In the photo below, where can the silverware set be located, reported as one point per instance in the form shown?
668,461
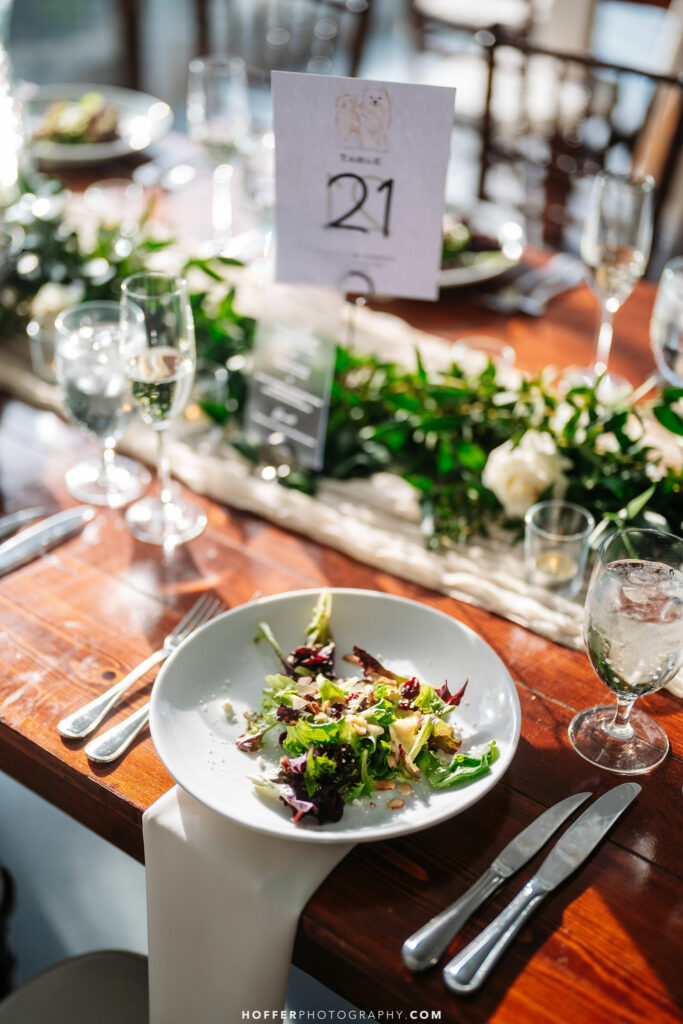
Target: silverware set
113,743
468,970
38,537
533,289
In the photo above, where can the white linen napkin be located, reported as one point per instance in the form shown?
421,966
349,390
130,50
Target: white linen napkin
223,904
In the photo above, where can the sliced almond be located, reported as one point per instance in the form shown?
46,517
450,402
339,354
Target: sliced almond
405,789
396,804
383,784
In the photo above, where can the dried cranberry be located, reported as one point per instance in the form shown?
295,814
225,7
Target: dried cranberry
410,689
286,714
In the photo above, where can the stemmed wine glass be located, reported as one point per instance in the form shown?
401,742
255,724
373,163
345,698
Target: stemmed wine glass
97,397
159,362
633,628
218,117
666,325
615,246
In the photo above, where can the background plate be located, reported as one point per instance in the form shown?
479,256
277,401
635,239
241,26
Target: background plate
143,120
503,226
196,741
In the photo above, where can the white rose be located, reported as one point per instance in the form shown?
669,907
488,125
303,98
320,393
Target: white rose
51,298
518,476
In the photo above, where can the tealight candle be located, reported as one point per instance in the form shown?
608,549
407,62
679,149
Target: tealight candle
554,569
556,545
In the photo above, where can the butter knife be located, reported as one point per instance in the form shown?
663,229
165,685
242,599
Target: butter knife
425,947
11,523
40,537
467,971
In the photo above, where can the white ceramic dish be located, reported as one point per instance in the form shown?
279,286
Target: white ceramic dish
459,277
142,120
196,741
504,227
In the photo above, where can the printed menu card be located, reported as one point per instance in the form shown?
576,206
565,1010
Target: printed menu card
360,180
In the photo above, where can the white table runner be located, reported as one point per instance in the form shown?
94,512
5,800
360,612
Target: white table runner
223,903
375,520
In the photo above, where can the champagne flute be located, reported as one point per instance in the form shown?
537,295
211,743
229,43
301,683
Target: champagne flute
633,628
666,325
218,117
97,397
615,246
159,363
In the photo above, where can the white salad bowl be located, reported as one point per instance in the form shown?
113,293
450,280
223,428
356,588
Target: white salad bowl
196,738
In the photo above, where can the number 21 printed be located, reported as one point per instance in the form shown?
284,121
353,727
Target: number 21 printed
356,203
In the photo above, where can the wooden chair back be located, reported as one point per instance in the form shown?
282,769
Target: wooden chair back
552,119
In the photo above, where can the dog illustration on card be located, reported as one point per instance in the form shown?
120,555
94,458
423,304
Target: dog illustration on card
363,121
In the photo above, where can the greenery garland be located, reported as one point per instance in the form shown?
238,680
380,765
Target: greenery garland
437,430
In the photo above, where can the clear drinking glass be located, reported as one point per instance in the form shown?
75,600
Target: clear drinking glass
666,325
615,246
159,363
633,628
218,117
556,535
89,371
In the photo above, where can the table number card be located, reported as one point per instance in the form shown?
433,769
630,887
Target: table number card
289,392
360,179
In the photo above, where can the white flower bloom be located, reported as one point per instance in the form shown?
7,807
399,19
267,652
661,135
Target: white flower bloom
51,298
518,476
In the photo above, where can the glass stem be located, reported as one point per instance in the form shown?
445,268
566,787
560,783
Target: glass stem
164,471
620,726
221,204
108,465
603,342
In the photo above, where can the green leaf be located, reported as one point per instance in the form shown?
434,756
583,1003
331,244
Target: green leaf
669,419
472,456
421,372
637,504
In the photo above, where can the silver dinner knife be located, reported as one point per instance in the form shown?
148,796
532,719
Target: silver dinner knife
11,523
467,971
40,537
426,946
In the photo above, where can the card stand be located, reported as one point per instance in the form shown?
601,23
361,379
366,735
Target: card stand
358,289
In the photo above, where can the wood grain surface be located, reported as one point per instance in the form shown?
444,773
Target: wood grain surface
605,948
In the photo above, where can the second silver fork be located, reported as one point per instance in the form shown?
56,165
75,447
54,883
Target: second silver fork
115,741
84,721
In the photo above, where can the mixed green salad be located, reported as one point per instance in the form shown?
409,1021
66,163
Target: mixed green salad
87,119
462,247
344,738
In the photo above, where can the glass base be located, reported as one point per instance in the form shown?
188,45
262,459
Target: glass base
632,755
167,524
125,481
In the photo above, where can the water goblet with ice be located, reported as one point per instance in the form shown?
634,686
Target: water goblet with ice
633,628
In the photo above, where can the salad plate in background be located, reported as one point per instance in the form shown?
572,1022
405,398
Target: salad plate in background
479,245
73,123
222,667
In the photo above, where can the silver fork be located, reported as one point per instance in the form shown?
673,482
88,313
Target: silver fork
115,741
84,721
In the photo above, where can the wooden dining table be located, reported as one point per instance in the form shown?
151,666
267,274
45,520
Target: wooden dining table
604,948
